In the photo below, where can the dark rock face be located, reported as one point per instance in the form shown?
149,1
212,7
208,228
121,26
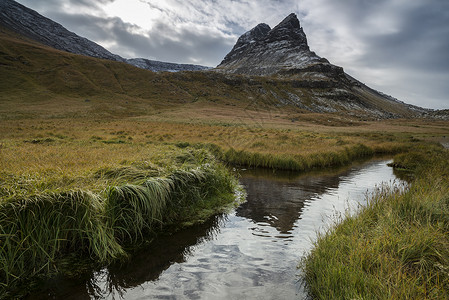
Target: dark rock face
246,40
290,31
265,51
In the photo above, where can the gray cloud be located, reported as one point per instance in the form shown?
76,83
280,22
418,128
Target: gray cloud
396,46
164,42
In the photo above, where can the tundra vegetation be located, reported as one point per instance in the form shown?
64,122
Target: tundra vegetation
97,156
397,246
84,188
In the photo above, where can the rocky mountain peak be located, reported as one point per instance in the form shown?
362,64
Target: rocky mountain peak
290,21
289,30
256,34
264,51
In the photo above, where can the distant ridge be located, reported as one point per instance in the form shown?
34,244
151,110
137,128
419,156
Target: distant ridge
159,66
32,25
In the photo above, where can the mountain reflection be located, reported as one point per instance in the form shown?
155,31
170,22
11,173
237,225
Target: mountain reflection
278,198
238,252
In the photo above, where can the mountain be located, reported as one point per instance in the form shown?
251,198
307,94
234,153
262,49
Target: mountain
40,81
32,25
294,78
282,50
283,53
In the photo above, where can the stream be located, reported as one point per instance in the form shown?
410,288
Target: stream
251,252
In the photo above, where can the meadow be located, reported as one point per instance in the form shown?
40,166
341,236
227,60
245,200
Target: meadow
90,187
397,247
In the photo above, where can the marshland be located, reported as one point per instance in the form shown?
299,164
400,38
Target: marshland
95,191
101,161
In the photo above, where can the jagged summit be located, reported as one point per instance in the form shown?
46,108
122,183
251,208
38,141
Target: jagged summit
256,34
265,51
289,30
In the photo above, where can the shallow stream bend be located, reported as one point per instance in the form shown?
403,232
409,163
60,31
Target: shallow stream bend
250,253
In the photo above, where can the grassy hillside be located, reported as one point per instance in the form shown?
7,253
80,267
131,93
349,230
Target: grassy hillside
37,80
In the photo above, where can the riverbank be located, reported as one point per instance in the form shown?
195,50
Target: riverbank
39,230
397,247
78,171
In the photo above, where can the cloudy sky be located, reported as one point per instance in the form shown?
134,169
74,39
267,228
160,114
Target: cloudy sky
399,47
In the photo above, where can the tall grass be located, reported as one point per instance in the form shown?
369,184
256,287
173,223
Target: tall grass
134,209
193,187
37,231
397,247
34,232
299,162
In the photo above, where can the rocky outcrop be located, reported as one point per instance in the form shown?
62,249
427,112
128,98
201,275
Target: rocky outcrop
281,50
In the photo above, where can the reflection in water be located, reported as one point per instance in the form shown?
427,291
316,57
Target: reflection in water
251,253
279,203
145,265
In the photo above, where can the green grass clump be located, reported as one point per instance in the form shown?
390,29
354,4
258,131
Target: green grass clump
397,247
39,231
34,232
297,162
193,187
132,210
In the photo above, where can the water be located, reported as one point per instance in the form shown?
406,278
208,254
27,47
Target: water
250,253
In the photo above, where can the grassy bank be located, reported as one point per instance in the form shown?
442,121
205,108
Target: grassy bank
397,247
300,162
73,185
38,230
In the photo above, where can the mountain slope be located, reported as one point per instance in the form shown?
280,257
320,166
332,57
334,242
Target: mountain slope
31,24
283,53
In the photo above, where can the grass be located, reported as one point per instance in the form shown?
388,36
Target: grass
38,231
397,247
298,162
95,155
117,159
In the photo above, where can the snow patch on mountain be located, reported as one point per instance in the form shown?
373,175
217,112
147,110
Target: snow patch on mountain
158,66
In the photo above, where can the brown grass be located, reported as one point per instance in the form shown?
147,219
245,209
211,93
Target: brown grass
74,146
